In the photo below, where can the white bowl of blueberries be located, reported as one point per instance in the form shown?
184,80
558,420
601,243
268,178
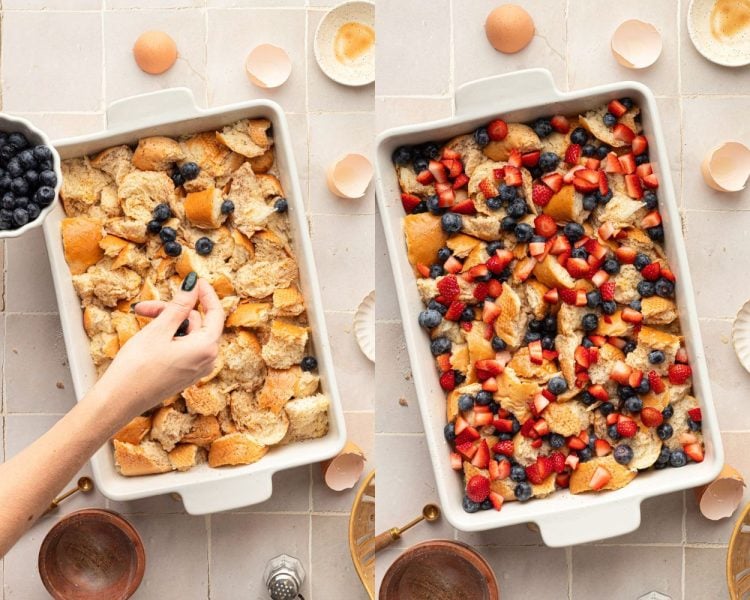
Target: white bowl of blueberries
30,176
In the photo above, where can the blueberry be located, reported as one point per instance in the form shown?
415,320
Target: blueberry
587,398
420,164
203,246
649,197
629,346
172,248
606,408
21,202
693,425
467,314
523,232
542,127
634,404
664,288
402,155
603,199
168,234
431,150
590,322
32,178
668,411
494,203
516,209
440,345
44,196
535,172
609,307
8,201
493,247
42,153
585,454
309,363
609,119
508,192
612,432
642,159
435,305
227,207
677,459
281,205
451,222
469,505
27,160
588,150
522,491
5,224
161,212
19,186
33,210
627,102
189,171
548,342
589,202
433,205
20,217
586,343
6,214
5,182
656,233
644,387
557,385
498,345
611,266
153,226
484,398
645,288
486,505
449,431
436,271
531,336
579,253
548,162
602,151
636,305
18,140
625,391
177,178
508,224
550,324
465,402
656,357
556,440
518,473
7,152
429,318
664,431
573,231
663,457
481,137
623,454
45,165
579,136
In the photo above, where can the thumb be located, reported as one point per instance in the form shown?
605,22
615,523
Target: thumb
178,309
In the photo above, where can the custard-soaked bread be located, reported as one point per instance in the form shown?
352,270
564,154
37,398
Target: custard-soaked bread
288,302
424,237
250,314
520,136
126,228
186,456
169,426
116,162
203,209
265,426
146,458
235,449
281,385
285,346
247,137
134,431
213,157
157,153
80,238
308,417
581,478
141,191
204,431
208,399
81,186
259,279
243,365
251,212
106,285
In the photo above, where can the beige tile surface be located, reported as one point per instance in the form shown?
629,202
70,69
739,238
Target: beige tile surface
121,30
52,4
631,571
590,61
661,522
393,111
524,534
333,571
354,371
61,125
699,562
126,4
28,276
28,67
386,303
519,574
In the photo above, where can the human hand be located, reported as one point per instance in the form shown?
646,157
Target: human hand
155,364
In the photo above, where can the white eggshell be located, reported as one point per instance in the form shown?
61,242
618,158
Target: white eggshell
726,168
349,176
720,498
636,45
268,66
344,470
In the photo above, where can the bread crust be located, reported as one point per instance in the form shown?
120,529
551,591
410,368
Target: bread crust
235,449
80,238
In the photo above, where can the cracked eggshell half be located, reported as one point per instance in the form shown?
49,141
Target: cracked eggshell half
720,498
349,176
344,470
636,44
268,66
726,167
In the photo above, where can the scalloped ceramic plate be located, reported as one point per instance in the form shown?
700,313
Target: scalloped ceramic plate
364,326
741,335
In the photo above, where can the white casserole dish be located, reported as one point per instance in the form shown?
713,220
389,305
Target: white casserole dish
563,518
203,490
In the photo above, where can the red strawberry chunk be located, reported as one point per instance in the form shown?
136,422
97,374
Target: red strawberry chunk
545,225
651,181
498,261
552,296
425,177
504,447
497,130
623,132
541,194
602,447
478,488
578,267
530,159
666,272
535,352
633,186
639,144
448,381
457,463
454,310
560,123
607,290
626,255
627,427
465,207
454,166
553,181
656,383
488,188
628,163
582,357
630,315
448,153
562,480
568,296
448,288
575,443
497,500
695,414
573,154
481,291
652,219
679,373
557,460
613,164
482,457
410,202
490,312
621,372
513,176
651,417
515,159
600,478
651,272
694,451
453,265
617,108
495,288
438,171
460,181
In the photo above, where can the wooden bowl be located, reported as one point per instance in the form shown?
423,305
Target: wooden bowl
92,554
439,569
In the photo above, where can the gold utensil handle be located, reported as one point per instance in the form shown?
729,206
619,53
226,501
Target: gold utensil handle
84,485
386,538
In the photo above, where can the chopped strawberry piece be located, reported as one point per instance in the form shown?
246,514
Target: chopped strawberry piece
410,202
593,354
630,315
541,194
694,451
488,188
633,186
454,166
503,468
613,164
448,381
449,153
560,245
600,277
644,170
448,287
497,130
530,159
553,181
621,372
628,163
513,176
656,382
541,427
539,403
533,475
600,478
573,154
603,183
452,265
535,352
607,290
462,425
438,170
552,296
495,288
498,261
467,325
602,447
549,354
635,378
460,181
477,272
560,123
503,425
524,268
581,355
481,291
586,181
568,296
557,460
497,500
687,438
478,488
498,174
466,207
598,340
538,249
627,427
504,447
652,219
545,225
457,463
626,255
681,356
572,461
623,132
617,108
651,417
444,362
482,457
562,480
424,270
651,272
425,177
639,144
577,267
514,159
490,366
679,373
467,449
454,310
575,443
666,272
651,181
527,429
612,418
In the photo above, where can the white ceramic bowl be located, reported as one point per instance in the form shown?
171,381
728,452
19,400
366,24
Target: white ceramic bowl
728,54
36,137
563,518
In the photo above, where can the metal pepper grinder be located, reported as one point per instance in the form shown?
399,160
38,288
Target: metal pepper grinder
284,575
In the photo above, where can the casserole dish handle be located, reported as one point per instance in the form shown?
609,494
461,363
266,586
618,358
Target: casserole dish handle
227,494
144,110
534,86
593,523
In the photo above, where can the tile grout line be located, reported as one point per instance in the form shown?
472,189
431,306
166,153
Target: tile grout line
208,556
569,563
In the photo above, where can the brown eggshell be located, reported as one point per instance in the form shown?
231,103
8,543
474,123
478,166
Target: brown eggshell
344,470
509,28
155,52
